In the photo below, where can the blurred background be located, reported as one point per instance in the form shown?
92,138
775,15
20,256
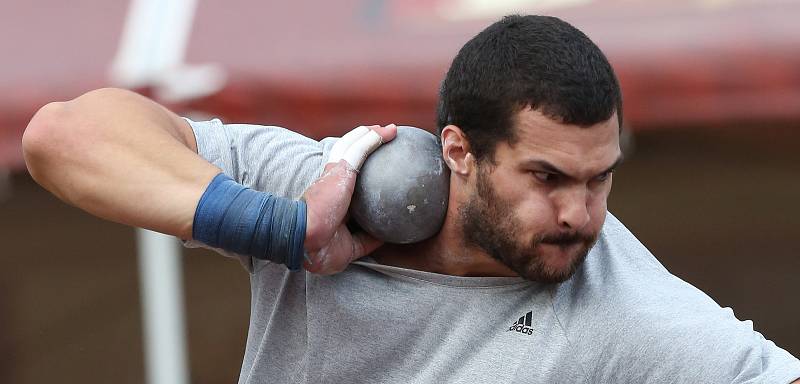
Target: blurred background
711,186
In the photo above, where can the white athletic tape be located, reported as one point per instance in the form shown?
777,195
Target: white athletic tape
341,145
358,152
355,146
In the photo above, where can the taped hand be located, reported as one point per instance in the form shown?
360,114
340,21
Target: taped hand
329,244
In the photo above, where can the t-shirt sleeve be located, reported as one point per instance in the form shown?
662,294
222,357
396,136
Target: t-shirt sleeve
265,158
694,341
633,321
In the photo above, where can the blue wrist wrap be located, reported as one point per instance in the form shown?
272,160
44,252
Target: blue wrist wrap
238,219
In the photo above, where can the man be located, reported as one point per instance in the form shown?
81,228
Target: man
529,280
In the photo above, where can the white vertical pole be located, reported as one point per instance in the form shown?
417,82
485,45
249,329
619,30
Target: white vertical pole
153,43
161,292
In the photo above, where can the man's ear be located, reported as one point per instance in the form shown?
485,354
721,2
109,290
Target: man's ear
455,151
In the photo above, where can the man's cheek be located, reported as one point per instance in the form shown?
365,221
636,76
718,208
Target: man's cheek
598,215
534,217
536,208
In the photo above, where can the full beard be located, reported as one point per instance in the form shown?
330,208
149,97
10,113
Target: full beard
488,222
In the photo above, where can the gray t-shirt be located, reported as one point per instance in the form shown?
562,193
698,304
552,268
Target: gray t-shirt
621,318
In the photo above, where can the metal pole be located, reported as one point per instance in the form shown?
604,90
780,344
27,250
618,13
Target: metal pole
161,292
153,44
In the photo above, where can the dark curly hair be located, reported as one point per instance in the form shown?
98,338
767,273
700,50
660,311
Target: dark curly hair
526,61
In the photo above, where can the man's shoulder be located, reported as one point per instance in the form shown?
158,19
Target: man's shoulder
622,286
617,269
623,305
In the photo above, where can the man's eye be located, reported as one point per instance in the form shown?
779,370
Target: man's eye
604,176
545,177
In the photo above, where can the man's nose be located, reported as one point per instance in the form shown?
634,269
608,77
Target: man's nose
573,208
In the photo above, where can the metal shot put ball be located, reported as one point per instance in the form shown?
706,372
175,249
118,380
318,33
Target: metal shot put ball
401,191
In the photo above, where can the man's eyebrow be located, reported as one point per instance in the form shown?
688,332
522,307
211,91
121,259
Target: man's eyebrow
545,166
616,164
548,167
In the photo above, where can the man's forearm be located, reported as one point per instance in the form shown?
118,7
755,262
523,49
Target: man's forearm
119,156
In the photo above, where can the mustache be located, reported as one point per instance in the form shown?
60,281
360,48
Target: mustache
566,238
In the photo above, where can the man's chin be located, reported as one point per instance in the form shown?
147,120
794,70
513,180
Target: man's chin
560,256
553,263
549,276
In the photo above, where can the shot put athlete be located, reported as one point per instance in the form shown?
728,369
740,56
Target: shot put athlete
529,280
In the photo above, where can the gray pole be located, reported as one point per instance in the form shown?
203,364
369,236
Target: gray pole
151,53
161,292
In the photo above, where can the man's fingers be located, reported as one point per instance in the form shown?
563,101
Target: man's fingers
358,151
387,133
341,250
341,146
364,244
356,145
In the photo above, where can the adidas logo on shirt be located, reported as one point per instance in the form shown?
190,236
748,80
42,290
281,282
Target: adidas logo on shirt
523,325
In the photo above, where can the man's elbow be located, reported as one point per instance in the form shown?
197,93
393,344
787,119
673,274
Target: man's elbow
40,141
61,128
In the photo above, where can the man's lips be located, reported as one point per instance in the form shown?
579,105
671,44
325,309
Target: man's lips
566,239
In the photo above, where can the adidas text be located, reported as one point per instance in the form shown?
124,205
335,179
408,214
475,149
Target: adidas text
521,329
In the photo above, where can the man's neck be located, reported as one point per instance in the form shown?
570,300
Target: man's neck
446,253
